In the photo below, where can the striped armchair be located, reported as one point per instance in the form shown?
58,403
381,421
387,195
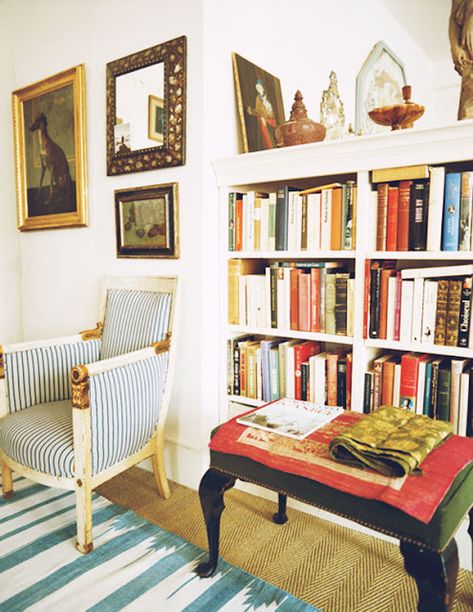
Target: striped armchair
76,411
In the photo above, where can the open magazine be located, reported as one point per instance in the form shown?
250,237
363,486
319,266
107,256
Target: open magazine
290,417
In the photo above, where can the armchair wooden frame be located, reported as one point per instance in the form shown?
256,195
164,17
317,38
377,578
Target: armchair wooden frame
84,481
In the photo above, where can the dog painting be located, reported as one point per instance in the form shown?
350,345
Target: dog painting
49,136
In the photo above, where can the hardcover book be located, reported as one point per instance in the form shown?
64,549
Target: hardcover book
451,212
292,418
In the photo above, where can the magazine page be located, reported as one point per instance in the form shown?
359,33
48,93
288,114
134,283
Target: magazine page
290,417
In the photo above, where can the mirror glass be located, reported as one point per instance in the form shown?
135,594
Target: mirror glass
139,120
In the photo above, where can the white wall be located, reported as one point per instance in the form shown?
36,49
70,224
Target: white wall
61,269
10,309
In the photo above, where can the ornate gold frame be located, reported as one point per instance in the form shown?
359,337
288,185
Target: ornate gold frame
172,152
79,217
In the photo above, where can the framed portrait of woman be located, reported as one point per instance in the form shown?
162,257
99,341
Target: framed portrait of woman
260,105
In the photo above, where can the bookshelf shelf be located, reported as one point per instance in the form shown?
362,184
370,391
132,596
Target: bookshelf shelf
291,255
312,165
418,347
290,333
422,255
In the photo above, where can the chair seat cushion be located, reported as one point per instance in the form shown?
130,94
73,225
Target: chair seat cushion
375,514
41,438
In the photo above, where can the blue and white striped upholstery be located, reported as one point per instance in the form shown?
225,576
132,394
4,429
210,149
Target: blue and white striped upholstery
124,409
41,438
134,320
41,375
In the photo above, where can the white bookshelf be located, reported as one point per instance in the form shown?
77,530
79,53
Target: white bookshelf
354,157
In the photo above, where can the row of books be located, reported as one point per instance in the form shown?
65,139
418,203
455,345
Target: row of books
304,296
430,214
270,368
430,305
292,219
439,387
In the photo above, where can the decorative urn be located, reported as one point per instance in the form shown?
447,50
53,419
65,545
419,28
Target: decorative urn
398,116
299,129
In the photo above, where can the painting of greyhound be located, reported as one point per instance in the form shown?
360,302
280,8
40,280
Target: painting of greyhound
50,151
54,160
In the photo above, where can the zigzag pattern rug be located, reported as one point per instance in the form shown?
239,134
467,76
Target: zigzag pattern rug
135,565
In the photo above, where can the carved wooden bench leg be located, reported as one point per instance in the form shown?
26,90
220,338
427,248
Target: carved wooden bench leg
280,517
7,481
434,573
211,490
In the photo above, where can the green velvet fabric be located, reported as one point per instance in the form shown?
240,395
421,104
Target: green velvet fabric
375,514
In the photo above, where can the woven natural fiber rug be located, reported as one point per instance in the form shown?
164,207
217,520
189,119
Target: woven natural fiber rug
135,565
327,565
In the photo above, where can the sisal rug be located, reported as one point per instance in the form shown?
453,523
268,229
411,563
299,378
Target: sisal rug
135,565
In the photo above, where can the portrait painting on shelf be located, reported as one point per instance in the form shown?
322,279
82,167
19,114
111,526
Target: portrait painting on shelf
260,105
49,133
147,221
378,83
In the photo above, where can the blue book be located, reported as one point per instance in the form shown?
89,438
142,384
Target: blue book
451,212
274,373
427,388
266,345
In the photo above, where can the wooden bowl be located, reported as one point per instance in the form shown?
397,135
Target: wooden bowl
398,116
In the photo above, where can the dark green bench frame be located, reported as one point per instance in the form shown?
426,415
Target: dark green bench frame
429,550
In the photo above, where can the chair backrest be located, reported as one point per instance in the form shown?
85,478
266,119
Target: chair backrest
136,312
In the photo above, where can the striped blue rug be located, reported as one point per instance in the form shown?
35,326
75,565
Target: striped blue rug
135,564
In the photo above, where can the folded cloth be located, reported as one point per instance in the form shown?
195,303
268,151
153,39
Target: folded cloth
391,440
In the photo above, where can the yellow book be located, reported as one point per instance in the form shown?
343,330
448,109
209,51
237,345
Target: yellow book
405,173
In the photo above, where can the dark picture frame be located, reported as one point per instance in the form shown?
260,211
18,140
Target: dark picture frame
147,221
50,152
259,103
154,153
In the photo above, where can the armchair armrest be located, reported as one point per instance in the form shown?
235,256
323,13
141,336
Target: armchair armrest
124,395
38,371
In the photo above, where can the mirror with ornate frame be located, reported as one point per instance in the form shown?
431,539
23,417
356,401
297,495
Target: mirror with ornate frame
146,109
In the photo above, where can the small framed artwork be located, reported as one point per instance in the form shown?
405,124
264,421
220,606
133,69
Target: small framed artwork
147,221
260,105
379,83
50,152
156,119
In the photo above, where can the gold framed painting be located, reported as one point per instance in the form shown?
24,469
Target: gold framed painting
156,118
260,105
50,152
147,221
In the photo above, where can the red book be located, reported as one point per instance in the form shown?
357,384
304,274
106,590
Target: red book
239,222
397,308
392,218
409,378
315,299
403,216
382,217
302,352
366,301
304,301
331,377
294,297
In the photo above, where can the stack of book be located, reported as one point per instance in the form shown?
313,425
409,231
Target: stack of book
270,368
430,305
431,211
304,296
292,219
439,387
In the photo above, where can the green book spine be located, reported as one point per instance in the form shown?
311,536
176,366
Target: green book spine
443,393
231,220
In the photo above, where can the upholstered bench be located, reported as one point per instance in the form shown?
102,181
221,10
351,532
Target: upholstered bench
429,549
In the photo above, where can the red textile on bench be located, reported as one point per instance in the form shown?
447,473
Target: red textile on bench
418,496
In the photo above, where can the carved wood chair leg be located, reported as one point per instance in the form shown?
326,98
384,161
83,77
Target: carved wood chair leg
435,575
280,517
7,481
160,477
84,517
211,490
470,531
